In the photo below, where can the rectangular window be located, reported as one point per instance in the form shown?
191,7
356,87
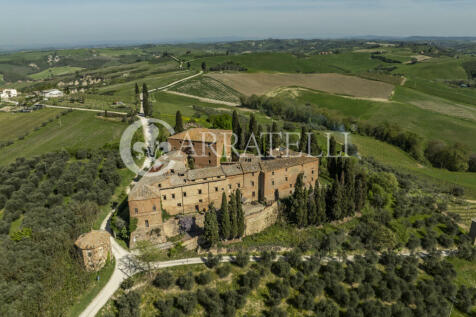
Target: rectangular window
199,191
136,210
312,172
173,196
253,194
147,223
290,185
252,183
184,194
200,200
216,189
229,186
209,162
238,185
160,185
272,183
154,208
286,178
272,173
172,171
253,174
179,204
164,197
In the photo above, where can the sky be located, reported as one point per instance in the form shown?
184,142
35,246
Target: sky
33,23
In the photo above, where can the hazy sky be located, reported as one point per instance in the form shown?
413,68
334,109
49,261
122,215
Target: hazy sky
29,23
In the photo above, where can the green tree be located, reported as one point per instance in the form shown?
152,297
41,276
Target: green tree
299,202
334,201
236,127
178,122
276,136
204,66
145,100
225,225
233,217
147,253
240,216
210,234
137,98
320,199
303,140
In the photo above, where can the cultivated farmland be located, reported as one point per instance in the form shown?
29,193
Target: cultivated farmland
263,83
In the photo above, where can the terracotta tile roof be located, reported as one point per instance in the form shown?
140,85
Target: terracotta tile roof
199,173
142,191
278,163
250,167
200,134
232,169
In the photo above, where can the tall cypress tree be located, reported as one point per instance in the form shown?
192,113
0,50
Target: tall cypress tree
312,210
240,216
137,98
145,100
253,125
178,122
235,124
276,137
225,225
210,230
299,202
332,161
315,148
303,140
349,186
334,201
233,217
360,191
320,199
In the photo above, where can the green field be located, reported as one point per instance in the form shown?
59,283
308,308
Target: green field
55,71
78,129
15,125
208,87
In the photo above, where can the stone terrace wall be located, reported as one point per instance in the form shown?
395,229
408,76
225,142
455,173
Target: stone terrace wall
257,221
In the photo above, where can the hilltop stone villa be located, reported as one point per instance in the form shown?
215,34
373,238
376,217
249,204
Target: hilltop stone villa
182,192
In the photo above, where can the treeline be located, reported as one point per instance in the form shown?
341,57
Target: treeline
470,68
453,158
47,202
229,65
227,223
384,59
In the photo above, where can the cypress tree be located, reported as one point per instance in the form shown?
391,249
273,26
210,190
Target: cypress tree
276,137
225,226
315,149
210,234
332,161
240,216
233,217
349,186
137,97
235,124
320,199
299,202
360,191
303,139
178,122
312,211
145,100
334,201
253,125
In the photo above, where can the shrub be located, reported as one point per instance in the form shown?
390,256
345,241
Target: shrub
223,270
204,278
186,302
242,259
212,261
281,268
127,283
163,280
186,281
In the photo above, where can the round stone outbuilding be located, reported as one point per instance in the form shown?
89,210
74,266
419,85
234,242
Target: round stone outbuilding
94,249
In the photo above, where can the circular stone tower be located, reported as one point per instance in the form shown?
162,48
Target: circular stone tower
94,248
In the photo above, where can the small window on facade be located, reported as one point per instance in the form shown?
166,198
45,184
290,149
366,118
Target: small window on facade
154,208
136,210
253,194
197,208
184,194
209,153
286,178
209,161
252,183
229,186
160,185
272,182
164,197
272,173
286,169
173,196
216,189
200,200
238,185
312,172
179,204
253,174
147,223
199,191
291,185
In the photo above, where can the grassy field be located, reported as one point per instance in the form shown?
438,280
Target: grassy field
207,87
465,275
263,83
400,160
15,125
424,122
77,129
55,71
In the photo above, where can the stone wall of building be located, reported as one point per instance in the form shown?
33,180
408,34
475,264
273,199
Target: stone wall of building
94,249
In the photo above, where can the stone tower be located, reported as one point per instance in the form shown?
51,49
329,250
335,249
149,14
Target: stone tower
94,248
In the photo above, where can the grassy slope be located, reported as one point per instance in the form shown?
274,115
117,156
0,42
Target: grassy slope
208,87
14,125
74,130
393,156
428,124
55,71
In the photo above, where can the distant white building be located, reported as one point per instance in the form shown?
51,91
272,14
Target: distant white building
8,93
52,93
